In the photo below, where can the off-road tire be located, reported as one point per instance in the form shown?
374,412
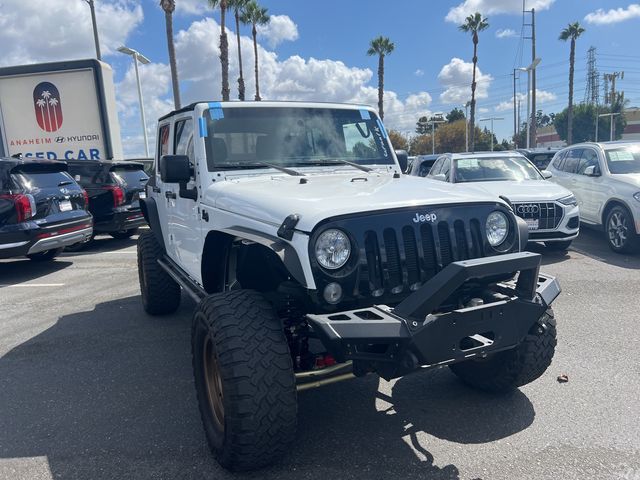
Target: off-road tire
562,246
505,371
255,382
45,256
630,245
124,234
160,292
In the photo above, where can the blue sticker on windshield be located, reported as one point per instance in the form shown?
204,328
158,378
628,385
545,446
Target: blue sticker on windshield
202,123
384,132
215,110
364,114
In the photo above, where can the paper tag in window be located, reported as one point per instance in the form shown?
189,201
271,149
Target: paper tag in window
65,206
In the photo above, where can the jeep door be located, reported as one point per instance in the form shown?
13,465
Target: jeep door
182,213
156,185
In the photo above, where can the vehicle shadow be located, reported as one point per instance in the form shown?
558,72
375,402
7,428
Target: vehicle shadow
549,257
103,243
592,243
24,270
108,394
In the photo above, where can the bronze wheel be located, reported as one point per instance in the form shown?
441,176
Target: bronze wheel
213,382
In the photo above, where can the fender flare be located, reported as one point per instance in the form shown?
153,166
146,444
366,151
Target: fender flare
150,211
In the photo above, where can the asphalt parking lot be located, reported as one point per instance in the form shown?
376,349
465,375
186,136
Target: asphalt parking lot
91,387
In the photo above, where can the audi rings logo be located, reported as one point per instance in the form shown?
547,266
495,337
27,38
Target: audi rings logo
529,208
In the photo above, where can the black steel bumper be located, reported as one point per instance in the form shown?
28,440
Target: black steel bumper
395,341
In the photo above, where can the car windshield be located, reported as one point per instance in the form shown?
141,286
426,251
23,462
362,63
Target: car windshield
251,137
623,160
493,169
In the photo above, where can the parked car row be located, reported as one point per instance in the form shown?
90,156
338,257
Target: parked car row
46,206
597,184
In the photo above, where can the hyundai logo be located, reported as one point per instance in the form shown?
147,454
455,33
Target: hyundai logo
529,208
59,139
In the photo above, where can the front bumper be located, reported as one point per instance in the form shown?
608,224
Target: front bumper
395,341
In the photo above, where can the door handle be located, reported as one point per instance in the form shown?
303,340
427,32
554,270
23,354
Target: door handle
170,194
155,190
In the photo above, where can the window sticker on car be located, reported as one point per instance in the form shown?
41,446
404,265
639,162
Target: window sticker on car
215,111
621,156
364,114
65,206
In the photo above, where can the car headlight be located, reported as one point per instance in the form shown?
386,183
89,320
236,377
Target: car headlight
570,200
497,228
637,196
333,249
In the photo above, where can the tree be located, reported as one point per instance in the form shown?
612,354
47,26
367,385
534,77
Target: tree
422,126
382,47
474,24
238,7
450,137
584,123
398,140
224,46
455,115
420,145
169,7
572,32
255,15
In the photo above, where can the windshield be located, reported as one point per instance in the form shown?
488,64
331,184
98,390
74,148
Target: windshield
493,169
292,137
623,160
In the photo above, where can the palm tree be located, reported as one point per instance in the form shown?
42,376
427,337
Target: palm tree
255,15
238,7
572,32
474,24
224,46
47,95
53,101
382,47
169,6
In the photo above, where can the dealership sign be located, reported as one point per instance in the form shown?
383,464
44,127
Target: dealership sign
52,115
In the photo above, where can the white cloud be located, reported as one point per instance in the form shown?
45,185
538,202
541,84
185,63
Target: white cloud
493,7
419,73
191,7
542,97
615,15
456,77
279,29
505,33
49,30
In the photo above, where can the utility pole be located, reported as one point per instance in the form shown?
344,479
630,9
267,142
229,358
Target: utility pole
433,122
613,98
612,127
515,120
534,133
95,28
466,126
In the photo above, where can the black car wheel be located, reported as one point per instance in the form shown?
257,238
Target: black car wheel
45,256
244,379
504,371
124,234
160,293
620,230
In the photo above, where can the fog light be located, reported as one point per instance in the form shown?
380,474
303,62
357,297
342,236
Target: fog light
333,293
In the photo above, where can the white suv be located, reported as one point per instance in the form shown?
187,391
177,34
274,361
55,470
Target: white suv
605,178
551,211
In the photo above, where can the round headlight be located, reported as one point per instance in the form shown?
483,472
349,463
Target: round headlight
333,249
497,228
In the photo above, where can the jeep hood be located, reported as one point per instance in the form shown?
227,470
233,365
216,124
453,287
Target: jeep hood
523,191
271,199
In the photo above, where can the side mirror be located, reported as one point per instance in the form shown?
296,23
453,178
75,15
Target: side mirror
592,171
175,169
403,159
546,174
441,177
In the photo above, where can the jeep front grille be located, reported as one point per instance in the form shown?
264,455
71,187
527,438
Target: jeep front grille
407,257
548,214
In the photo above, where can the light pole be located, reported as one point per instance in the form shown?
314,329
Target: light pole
466,126
491,119
531,67
610,115
95,28
144,60
433,122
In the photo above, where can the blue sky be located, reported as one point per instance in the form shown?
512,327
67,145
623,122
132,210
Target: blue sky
421,76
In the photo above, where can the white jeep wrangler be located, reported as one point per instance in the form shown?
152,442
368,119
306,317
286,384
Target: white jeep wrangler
313,259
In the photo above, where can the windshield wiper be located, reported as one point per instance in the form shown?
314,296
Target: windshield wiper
288,171
338,161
